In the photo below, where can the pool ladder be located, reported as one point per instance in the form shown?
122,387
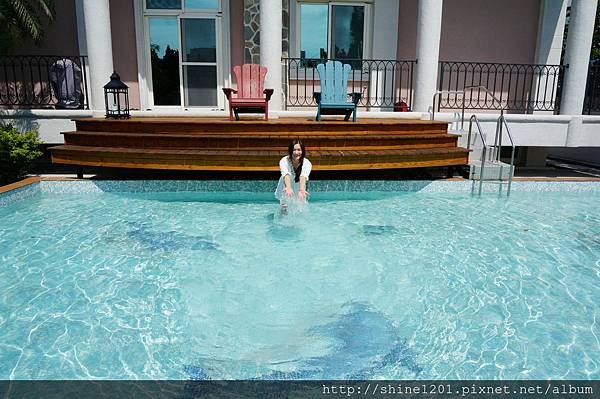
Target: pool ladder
488,154
490,157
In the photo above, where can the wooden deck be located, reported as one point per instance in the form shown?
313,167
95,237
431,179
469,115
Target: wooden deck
257,145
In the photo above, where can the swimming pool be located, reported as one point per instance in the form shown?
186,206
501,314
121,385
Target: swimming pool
205,280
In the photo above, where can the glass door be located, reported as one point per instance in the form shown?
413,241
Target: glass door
201,75
185,43
347,31
164,61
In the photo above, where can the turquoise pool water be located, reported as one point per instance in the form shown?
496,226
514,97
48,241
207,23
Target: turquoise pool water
365,285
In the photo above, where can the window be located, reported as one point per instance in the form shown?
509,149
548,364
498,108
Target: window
187,4
313,30
164,60
332,30
186,55
199,61
163,4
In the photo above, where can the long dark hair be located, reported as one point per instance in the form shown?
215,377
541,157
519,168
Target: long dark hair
297,170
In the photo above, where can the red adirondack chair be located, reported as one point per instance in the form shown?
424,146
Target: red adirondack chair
251,96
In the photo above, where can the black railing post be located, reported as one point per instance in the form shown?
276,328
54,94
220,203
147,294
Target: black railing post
15,80
522,87
441,84
28,81
370,77
592,91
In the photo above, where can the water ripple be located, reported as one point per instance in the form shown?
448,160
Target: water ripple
119,286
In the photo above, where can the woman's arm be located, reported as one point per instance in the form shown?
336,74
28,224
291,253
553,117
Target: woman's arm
306,169
302,193
289,191
285,172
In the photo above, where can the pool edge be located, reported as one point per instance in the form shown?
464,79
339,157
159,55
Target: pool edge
67,185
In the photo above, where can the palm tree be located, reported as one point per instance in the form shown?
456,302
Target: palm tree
23,18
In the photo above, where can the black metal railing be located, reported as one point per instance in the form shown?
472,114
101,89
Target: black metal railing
591,104
521,87
32,81
382,83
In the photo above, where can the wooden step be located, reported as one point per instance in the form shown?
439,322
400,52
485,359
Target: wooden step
257,145
254,160
272,141
291,125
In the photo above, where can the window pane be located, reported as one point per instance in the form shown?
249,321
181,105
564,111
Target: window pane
199,40
200,85
199,4
313,30
164,4
164,57
347,31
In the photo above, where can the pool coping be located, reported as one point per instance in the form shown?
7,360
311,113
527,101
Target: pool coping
19,184
36,179
38,186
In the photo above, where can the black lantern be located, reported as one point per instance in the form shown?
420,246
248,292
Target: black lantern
116,98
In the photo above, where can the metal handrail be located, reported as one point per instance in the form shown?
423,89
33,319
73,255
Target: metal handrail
502,121
484,148
502,107
497,146
495,149
439,93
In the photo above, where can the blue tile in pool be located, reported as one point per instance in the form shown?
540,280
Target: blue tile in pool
19,194
141,186
87,186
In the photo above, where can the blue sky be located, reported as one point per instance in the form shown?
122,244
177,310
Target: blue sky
163,31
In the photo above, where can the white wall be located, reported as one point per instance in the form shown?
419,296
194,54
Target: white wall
541,130
49,123
385,26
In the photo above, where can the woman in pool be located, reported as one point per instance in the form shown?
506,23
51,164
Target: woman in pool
295,169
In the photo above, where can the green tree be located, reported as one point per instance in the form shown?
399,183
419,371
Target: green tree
165,75
23,19
595,55
17,152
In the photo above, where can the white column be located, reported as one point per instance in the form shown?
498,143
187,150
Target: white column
99,48
270,48
577,55
551,28
429,27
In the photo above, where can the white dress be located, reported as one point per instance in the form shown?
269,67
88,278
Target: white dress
285,165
